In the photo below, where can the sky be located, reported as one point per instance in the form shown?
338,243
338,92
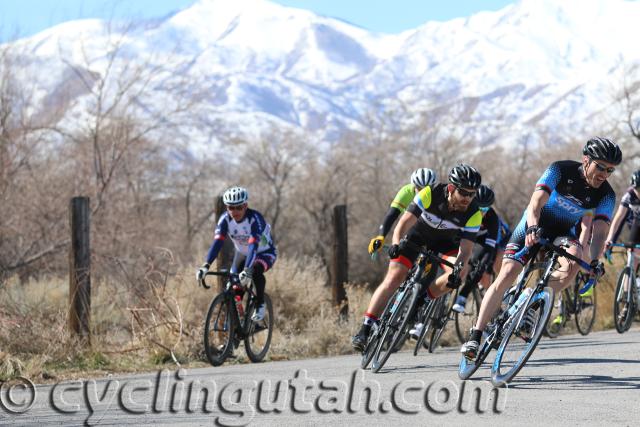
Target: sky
22,18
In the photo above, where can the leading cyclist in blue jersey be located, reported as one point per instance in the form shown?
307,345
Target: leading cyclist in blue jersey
567,193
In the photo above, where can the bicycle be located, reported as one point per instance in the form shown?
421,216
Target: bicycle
399,311
228,321
522,321
571,303
627,298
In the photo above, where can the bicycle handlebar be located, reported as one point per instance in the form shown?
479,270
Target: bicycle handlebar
223,273
560,251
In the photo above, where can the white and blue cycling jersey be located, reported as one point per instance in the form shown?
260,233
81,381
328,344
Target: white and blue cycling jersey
251,237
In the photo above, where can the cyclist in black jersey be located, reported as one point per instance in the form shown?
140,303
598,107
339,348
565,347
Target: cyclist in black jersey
445,218
566,192
629,212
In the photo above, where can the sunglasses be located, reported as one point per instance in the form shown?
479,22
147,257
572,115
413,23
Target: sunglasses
465,193
603,168
235,208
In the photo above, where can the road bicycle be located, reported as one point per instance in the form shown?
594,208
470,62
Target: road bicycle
399,311
517,328
627,294
229,321
571,304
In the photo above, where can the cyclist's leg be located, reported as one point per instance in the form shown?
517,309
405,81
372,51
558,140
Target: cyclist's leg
465,290
449,251
264,261
509,272
397,272
567,270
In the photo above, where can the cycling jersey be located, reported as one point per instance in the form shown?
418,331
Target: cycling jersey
403,198
630,201
432,209
398,206
488,234
251,236
437,227
570,199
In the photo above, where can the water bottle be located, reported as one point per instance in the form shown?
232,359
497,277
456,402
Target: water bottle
521,299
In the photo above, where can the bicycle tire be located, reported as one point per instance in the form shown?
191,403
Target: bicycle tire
372,342
468,367
426,322
465,321
397,322
623,318
584,307
436,332
543,302
258,337
220,311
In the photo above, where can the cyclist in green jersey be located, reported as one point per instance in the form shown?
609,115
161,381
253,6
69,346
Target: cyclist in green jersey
420,178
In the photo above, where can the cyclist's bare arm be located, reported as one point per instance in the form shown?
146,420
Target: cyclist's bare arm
618,219
538,199
600,230
407,220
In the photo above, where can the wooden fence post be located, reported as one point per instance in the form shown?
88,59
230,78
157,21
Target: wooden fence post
80,269
226,254
340,270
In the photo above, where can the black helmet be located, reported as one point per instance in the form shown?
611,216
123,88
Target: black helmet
635,178
485,196
603,149
465,176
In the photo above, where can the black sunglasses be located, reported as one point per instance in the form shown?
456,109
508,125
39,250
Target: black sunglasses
603,168
465,193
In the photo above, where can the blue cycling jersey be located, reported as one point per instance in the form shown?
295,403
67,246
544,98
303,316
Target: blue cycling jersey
571,198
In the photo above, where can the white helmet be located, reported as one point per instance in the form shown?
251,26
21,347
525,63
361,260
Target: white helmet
235,196
423,177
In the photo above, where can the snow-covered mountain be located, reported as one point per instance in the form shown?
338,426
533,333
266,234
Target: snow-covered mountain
544,64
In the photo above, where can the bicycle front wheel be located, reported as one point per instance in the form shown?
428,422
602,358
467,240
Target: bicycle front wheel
258,337
623,304
521,337
396,325
219,329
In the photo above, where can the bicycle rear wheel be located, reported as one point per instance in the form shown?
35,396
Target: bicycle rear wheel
219,330
624,306
585,306
521,337
464,321
258,337
468,367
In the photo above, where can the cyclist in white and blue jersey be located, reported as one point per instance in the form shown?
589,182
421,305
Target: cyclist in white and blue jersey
251,237
567,192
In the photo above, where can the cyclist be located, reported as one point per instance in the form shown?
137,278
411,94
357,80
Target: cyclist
629,212
565,193
251,237
420,178
445,217
486,239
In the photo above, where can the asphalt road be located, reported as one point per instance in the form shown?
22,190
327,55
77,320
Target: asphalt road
572,380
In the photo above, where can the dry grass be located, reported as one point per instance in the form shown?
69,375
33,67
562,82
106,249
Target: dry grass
159,318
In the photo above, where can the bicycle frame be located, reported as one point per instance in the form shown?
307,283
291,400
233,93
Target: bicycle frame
229,292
